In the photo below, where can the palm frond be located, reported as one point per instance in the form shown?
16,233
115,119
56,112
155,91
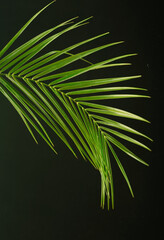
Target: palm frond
46,95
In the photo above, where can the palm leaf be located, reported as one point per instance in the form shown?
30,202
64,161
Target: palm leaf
45,95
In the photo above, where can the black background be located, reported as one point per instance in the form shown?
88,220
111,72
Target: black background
45,197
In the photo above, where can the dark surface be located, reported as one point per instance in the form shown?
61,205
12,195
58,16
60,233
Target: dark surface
45,197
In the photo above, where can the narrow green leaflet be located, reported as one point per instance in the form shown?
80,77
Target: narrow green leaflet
106,121
121,168
124,149
102,109
78,72
111,96
102,90
125,137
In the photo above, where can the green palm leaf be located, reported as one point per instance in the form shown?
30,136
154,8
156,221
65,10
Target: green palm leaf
46,95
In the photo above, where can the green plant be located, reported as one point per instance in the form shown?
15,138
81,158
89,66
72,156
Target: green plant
44,95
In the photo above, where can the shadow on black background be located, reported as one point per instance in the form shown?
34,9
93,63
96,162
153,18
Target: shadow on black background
43,196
